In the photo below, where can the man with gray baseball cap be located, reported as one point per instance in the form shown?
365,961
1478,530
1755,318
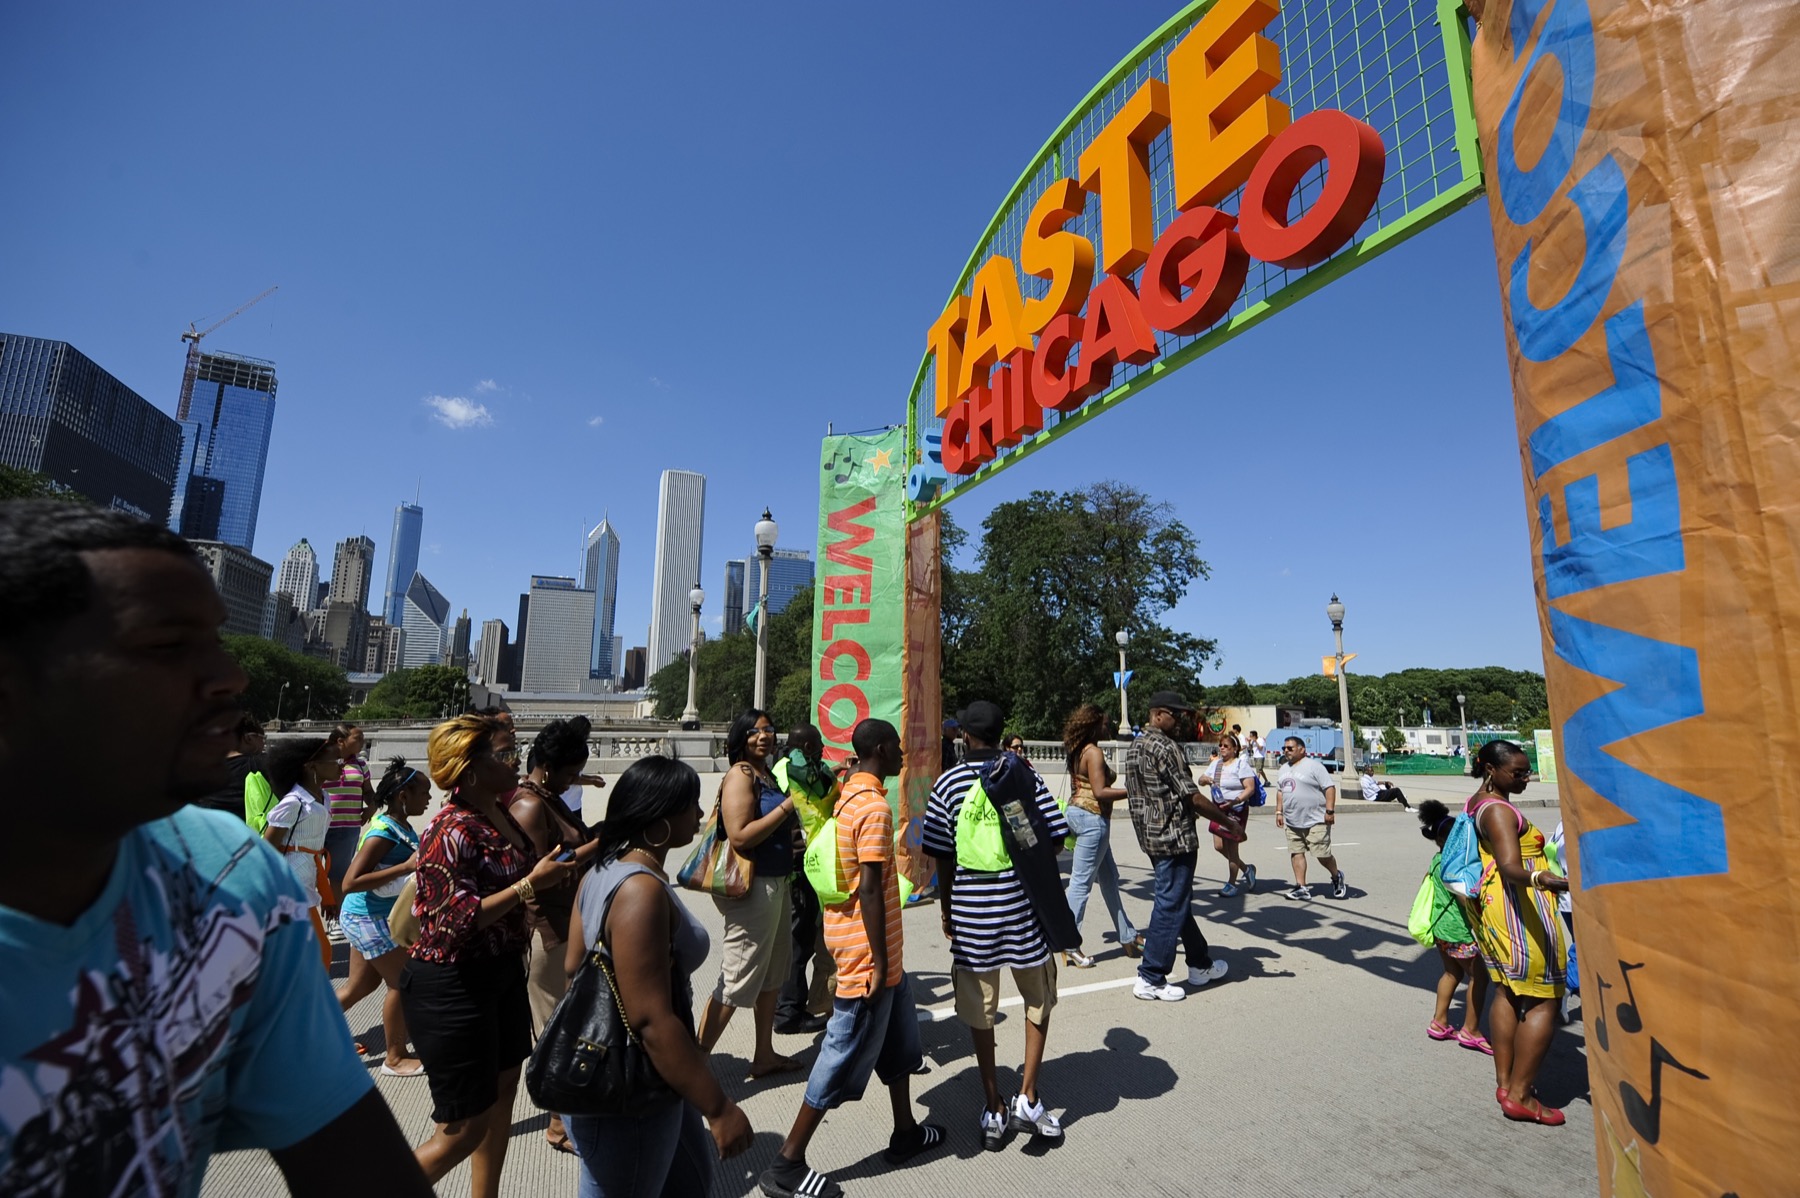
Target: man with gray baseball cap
1164,800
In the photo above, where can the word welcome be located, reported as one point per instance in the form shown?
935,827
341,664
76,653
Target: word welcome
1673,833
1004,360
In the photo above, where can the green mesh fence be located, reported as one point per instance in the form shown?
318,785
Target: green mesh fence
1400,65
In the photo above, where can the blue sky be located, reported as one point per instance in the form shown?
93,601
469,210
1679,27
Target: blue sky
531,257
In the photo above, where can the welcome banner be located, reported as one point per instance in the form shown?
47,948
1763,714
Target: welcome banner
858,615
1643,166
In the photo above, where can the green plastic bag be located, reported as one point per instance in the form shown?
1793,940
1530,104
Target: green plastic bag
820,864
1421,923
979,845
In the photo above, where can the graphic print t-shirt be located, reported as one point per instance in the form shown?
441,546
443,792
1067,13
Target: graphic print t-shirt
165,1023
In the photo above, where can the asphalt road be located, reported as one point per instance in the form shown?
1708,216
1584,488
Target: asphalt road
1306,1071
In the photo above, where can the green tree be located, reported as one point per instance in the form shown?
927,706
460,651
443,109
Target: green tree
1238,694
725,672
1058,575
1393,740
269,665
421,693
26,484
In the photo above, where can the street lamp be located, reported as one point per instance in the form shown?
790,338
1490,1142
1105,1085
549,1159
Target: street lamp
309,702
690,718
279,696
1334,611
765,549
1123,637
1463,713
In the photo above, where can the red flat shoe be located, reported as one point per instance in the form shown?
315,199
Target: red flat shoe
1548,1116
1499,1093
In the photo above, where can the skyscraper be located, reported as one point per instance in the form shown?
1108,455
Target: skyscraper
426,614
490,652
680,513
382,652
403,559
790,572
224,448
459,641
299,576
559,641
65,418
351,569
601,576
243,582
734,597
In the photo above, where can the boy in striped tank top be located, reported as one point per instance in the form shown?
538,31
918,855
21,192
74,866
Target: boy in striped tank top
348,800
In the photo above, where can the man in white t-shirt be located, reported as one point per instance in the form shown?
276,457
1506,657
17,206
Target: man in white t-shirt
1258,748
1306,806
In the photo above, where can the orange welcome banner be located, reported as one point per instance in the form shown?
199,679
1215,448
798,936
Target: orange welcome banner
1643,172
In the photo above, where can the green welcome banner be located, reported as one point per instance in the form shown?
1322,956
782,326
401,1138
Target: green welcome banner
859,605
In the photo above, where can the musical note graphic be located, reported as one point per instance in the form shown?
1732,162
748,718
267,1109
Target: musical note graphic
1627,1012
1646,1117
1600,1013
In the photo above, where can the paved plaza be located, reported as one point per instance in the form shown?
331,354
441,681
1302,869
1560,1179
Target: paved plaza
1305,1072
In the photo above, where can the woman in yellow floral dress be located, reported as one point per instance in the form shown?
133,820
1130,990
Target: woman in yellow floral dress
1519,933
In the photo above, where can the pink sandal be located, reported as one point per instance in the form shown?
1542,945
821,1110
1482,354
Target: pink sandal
1476,1043
1439,1031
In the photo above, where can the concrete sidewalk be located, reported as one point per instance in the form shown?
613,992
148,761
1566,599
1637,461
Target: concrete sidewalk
1306,1071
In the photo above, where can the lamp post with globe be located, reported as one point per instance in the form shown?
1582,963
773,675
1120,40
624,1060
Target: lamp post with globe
765,549
690,717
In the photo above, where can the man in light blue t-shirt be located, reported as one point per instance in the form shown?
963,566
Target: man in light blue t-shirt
162,997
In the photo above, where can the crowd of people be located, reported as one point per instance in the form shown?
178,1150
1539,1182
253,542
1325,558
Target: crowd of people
478,922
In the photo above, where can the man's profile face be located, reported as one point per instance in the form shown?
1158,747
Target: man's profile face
810,744
136,693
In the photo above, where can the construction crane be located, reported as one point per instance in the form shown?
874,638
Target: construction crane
192,337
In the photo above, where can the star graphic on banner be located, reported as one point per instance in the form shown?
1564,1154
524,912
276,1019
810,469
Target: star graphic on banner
880,458
1627,1164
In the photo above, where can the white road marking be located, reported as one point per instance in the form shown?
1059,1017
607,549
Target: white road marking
939,1014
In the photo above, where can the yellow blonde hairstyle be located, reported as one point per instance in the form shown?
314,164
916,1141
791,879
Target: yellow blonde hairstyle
454,745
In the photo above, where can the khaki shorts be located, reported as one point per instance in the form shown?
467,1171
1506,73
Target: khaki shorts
978,994
759,942
1315,840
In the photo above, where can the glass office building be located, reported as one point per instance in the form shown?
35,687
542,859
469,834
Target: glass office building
403,560
601,576
224,449
64,417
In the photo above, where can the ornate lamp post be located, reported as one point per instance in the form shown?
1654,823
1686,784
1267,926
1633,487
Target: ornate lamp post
1334,611
1123,638
765,549
690,718
1463,713
309,703
279,696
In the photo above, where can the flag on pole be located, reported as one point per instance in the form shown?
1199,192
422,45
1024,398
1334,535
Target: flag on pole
751,616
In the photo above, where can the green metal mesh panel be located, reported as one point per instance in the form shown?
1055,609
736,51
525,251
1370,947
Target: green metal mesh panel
1399,65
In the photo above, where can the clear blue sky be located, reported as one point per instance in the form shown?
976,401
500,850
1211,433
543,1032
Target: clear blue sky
651,236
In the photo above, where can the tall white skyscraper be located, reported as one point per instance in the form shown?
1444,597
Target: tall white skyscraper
558,637
680,515
601,576
298,578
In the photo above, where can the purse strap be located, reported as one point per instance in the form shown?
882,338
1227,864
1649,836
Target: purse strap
601,953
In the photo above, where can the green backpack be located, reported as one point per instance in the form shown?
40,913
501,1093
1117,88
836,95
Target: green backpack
979,845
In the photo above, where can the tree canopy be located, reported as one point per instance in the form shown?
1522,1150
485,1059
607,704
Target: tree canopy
422,693
25,484
725,672
268,665
1494,696
1058,575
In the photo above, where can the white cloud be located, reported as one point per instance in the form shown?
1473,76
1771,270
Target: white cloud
596,422
486,385
454,411
658,383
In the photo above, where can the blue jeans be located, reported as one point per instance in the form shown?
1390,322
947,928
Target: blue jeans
666,1153
1172,919
877,1034
1094,863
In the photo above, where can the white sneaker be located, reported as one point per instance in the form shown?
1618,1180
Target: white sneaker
1200,977
1164,993
1033,1119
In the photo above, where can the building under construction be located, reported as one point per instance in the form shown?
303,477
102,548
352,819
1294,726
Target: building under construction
225,419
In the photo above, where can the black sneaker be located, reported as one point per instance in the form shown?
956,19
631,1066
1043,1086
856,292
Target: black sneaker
805,1025
993,1130
792,1179
1338,889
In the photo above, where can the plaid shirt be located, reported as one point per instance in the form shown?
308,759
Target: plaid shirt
1159,789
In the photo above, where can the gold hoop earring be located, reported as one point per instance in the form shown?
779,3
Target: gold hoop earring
663,840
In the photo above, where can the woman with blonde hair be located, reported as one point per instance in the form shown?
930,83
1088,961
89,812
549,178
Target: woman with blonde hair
463,990
1091,798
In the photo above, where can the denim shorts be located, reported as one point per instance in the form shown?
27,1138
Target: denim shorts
877,1034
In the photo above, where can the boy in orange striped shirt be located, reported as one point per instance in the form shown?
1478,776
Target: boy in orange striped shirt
874,1026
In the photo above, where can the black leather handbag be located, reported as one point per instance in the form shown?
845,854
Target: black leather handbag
589,1061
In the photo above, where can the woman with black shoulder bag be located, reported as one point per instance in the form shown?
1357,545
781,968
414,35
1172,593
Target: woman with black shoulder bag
628,911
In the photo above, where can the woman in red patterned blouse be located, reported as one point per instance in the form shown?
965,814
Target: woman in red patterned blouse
463,990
